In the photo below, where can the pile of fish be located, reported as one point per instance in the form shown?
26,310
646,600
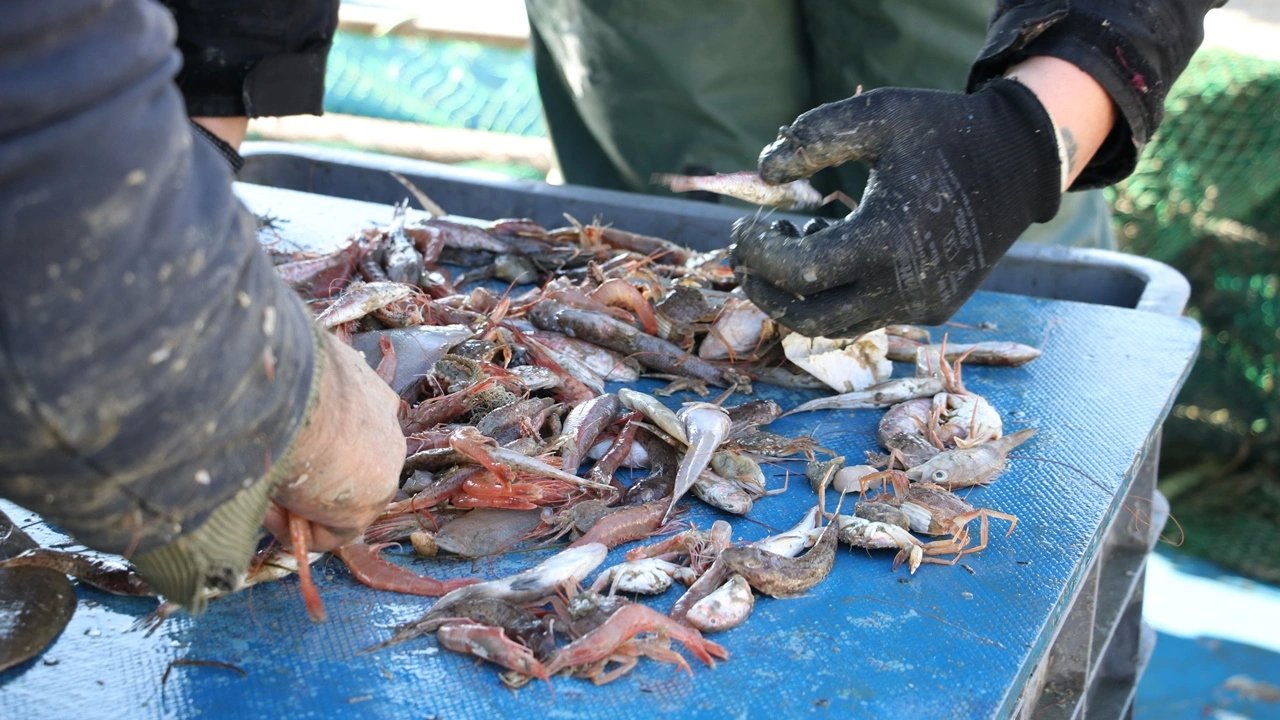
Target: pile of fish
502,340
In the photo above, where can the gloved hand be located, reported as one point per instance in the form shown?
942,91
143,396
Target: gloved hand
955,179
345,463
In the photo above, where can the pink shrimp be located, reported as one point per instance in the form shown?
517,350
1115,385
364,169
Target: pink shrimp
617,292
634,522
492,644
300,539
626,623
368,566
387,365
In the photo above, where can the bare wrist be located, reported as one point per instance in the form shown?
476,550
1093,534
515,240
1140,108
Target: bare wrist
1081,110
231,130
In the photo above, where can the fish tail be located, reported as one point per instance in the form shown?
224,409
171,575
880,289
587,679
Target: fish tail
674,183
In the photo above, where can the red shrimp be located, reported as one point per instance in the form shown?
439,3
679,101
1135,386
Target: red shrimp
617,292
368,566
485,490
425,440
387,365
492,644
300,539
634,522
626,623
448,485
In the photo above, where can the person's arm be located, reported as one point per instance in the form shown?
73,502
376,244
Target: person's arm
1133,49
1060,98
1079,108
158,382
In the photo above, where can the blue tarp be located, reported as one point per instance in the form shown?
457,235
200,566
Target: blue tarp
955,641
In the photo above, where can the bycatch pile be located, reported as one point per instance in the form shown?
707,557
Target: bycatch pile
502,338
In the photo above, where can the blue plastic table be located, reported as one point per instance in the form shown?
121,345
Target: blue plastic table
958,641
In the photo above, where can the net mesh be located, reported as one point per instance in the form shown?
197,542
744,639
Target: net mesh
1206,199
447,83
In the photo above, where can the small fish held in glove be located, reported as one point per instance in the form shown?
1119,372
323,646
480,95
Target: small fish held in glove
797,195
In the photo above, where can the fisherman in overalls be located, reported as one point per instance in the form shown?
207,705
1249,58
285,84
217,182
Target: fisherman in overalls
632,88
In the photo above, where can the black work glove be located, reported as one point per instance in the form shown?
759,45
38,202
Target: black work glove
256,59
955,180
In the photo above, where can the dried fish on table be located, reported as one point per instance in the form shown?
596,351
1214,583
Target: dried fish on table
616,335
883,395
117,578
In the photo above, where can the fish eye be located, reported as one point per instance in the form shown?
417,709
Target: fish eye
939,475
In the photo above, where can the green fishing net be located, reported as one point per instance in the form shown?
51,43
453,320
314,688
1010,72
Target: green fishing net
447,83
1206,199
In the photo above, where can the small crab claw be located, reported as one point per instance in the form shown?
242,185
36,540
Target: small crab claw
912,555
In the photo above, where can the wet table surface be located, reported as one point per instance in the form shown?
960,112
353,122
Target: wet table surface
955,641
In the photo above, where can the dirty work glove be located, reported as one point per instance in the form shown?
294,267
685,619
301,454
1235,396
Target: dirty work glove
955,180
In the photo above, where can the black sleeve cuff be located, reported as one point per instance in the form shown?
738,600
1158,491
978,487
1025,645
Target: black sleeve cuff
228,153
257,59
1134,50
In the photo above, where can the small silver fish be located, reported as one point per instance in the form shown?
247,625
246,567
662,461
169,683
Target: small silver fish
360,299
705,426
889,392
748,186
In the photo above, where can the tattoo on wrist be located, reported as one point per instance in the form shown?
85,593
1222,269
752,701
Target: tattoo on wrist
1067,152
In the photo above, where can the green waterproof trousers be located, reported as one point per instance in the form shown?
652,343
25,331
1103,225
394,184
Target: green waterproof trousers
637,87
